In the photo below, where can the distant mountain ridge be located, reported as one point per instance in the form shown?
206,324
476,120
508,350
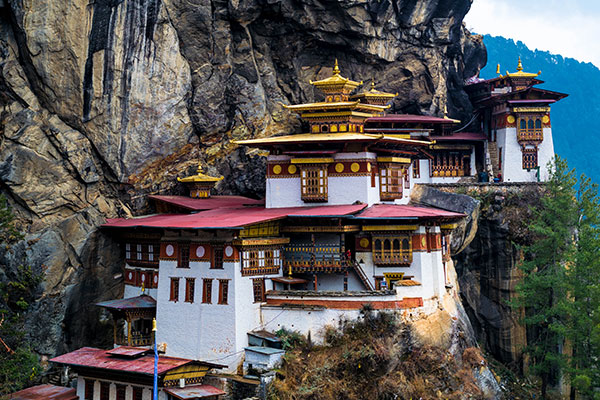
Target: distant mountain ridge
575,118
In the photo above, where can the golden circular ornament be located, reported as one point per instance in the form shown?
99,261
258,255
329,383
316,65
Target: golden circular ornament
339,168
423,242
364,243
277,169
545,119
354,167
510,119
368,167
292,169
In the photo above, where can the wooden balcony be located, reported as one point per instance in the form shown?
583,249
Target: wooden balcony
530,135
135,339
392,257
314,258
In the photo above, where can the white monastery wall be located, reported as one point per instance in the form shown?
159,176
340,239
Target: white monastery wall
546,154
512,157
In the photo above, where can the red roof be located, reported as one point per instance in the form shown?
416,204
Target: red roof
409,118
208,204
97,358
465,136
228,218
394,211
45,392
141,301
194,392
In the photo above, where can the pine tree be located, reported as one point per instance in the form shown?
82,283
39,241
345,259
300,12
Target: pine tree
583,279
543,291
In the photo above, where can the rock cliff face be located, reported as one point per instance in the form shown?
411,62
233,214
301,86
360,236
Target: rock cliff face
103,100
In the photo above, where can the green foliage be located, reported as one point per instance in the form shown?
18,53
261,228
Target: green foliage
291,339
17,370
560,289
19,366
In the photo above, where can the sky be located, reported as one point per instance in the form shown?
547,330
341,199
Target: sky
570,28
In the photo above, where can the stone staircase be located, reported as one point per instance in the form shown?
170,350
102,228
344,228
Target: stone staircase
493,151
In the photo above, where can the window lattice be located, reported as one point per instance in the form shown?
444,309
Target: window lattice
314,183
530,158
392,250
390,181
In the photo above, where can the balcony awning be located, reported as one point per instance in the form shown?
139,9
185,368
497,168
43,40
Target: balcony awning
142,301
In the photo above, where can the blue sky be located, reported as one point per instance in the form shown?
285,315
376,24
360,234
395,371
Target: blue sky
567,27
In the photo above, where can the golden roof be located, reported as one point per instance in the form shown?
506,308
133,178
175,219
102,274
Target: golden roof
374,93
336,82
199,177
335,105
520,73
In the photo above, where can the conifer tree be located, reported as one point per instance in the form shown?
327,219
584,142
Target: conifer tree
583,279
543,291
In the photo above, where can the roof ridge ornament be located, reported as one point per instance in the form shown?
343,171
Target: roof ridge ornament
336,68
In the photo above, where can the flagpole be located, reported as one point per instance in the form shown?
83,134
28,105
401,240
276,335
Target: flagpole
155,388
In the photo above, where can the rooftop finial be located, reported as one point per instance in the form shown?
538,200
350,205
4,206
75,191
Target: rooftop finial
373,84
143,288
336,69
445,110
520,66
498,69
199,167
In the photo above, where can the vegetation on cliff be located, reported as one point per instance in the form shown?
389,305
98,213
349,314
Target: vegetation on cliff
18,365
560,290
375,357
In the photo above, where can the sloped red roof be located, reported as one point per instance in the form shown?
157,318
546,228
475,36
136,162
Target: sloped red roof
45,392
224,218
394,211
128,351
142,301
463,136
409,118
97,358
209,203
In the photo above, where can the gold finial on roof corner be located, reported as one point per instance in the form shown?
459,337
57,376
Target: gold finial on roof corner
445,110
143,288
336,68
498,69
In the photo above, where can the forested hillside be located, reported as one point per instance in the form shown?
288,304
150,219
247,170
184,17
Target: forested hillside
574,119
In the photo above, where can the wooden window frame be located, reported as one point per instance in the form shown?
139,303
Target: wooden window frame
190,288
530,158
137,393
207,291
258,290
104,390
416,171
142,254
174,290
223,291
314,183
392,249
183,257
261,260
391,181
216,261
88,390
120,391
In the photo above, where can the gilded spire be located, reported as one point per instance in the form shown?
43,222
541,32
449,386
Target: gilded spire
520,73
519,65
336,69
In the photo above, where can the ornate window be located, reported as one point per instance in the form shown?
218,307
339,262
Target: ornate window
142,254
451,163
314,183
530,158
258,286
174,295
207,291
223,290
190,284
390,181
530,128
261,260
392,250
